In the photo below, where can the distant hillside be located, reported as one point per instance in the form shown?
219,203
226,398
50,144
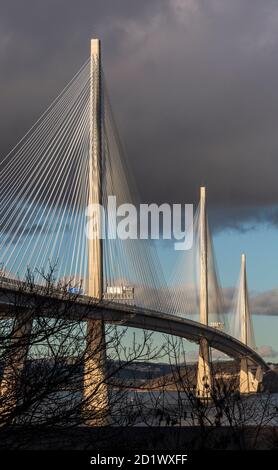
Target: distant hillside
224,371
184,375
147,375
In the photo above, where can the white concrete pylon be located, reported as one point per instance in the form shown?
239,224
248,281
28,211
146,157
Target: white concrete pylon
250,376
10,386
96,406
95,276
245,303
204,380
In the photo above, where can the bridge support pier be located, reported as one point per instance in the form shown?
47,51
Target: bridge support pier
204,377
250,377
204,370
11,387
96,405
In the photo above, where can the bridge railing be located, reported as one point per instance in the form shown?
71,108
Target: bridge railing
54,291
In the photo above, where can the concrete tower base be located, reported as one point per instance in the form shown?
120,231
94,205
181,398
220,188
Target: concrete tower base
204,381
250,377
95,393
17,350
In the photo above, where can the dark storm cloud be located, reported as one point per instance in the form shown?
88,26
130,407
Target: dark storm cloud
193,84
261,303
265,303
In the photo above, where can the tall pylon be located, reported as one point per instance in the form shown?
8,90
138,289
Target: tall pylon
204,379
95,389
10,387
250,377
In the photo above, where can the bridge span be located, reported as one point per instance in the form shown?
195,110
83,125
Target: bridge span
86,308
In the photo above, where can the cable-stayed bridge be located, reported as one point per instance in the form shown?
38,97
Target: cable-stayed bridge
71,159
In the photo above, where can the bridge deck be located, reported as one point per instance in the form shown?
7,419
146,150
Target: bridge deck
84,307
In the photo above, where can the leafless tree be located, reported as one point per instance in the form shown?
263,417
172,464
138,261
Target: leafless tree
45,356
225,420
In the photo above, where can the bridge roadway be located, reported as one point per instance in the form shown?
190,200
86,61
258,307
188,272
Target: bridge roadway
83,307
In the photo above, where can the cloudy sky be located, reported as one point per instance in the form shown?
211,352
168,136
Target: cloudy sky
193,85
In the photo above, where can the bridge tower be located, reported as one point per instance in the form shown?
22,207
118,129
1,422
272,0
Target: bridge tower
250,376
204,378
95,389
14,364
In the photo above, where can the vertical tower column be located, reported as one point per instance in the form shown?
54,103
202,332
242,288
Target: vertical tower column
245,309
11,387
204,370
244,382
249,377
96,405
